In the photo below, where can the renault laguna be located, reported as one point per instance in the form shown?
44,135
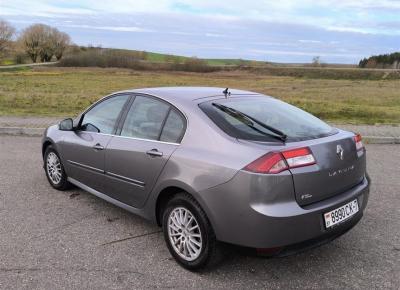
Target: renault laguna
213,166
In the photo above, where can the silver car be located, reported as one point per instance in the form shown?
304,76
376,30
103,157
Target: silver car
212,165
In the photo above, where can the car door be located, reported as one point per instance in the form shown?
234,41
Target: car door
83,149
151,131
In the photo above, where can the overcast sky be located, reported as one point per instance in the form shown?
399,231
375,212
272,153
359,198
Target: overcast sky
340,31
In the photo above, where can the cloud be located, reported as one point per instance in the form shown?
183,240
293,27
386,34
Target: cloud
304,53
362,16
309,41
338,30
214,35
348,29
110,28
40,8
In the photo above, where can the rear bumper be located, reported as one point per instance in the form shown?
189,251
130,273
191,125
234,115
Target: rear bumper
274,219
319,240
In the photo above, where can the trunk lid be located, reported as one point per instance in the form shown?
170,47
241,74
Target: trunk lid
338,168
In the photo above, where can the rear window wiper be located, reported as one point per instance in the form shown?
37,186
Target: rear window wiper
249,121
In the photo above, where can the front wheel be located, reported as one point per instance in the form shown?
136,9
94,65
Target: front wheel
54,169
188,233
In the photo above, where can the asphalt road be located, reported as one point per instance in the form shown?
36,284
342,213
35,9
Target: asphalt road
27,65
73,240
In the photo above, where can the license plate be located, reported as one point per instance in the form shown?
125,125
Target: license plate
341,214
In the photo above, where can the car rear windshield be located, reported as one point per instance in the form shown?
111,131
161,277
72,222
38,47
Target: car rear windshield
250,118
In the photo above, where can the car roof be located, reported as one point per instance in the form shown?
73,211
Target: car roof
189,94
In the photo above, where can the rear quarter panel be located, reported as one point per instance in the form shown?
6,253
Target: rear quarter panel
206,158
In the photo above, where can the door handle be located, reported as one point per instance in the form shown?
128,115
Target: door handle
154,152
98,147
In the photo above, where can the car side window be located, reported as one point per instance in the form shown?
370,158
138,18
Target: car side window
173,128
145,118
102,118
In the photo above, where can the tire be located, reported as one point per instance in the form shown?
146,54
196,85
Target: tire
208,253
54,169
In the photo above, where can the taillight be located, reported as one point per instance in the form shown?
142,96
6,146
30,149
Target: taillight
359,144
269,163
275,162
299,157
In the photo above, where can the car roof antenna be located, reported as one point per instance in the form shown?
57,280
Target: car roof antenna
226,92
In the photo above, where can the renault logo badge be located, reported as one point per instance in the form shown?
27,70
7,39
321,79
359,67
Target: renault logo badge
339,151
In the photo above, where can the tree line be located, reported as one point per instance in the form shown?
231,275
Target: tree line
38,41
390,60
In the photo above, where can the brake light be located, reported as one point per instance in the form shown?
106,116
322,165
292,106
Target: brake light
275,162
272,162
357,140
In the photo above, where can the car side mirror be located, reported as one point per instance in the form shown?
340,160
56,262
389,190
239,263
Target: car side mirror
90,128
66,125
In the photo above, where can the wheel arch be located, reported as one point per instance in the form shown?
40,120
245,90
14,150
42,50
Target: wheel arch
168,191
46,143
162,199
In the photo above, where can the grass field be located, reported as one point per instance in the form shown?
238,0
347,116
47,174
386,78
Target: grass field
66,91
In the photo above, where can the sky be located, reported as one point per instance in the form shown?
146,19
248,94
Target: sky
339,31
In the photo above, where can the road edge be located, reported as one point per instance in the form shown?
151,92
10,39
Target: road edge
22,131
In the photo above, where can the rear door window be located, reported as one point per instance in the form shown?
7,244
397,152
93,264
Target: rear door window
152,119
145,118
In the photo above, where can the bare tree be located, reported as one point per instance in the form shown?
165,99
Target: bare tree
6,34
43,41
47,45
62,41
31,40
316,61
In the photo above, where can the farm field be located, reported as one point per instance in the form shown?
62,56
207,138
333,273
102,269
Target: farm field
55,91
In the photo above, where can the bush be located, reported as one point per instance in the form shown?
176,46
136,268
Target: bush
19,58
97,57
101,58
194,64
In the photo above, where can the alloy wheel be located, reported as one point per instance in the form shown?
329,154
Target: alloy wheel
184,234
53,167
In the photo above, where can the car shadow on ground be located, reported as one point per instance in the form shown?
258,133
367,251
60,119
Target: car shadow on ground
234,259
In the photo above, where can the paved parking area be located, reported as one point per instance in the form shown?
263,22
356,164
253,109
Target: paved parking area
73,240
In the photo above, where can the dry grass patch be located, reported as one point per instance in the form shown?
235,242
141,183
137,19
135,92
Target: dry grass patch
66,91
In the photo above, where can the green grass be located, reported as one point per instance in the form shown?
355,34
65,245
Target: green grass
159,57
227,61
7,61
67,91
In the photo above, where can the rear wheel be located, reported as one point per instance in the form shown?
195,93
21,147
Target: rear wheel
54,169
188,233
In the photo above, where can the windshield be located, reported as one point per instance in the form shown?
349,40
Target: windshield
295,123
